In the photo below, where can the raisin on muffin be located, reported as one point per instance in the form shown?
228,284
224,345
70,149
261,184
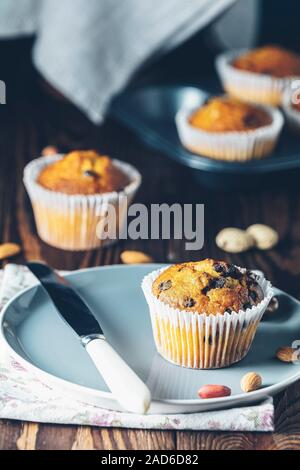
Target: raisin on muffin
226,114
83,172
269,60
208,287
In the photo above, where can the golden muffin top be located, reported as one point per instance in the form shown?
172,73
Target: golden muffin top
207,286
83,172
226,114
270,60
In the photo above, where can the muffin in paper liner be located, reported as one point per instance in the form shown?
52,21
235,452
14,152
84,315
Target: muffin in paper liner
201,341
250,86
237,146
73,222
292,115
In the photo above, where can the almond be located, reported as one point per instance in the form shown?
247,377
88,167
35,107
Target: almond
9,249
250,382
135,257
49,150
214,391
287,354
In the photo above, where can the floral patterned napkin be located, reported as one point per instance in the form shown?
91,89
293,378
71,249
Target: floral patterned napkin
24,397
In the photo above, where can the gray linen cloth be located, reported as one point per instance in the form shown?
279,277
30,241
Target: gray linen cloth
89,49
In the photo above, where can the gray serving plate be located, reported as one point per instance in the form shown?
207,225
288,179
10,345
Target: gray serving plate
150,113
40,340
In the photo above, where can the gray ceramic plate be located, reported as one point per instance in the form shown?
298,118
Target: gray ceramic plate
41,341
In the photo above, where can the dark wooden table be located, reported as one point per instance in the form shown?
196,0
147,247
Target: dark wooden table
35,119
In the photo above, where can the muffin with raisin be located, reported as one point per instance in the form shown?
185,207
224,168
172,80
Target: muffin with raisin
70,195
225,128
205,314
258,75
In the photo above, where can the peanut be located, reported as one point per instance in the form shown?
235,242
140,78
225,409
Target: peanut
214,391
265,237
234,240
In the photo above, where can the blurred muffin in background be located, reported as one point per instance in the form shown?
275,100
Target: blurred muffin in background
225,128
70,195
258,75
270,60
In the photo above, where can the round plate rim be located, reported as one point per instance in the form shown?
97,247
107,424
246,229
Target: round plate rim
257,394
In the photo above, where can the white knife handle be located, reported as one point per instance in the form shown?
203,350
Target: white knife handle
128,389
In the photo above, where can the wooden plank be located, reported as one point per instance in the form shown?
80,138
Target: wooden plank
123,439
9,434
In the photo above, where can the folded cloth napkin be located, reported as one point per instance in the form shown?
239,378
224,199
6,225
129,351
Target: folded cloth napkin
89,50
24,397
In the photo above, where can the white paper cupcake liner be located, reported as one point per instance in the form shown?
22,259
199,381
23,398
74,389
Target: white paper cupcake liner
203,341
231,146
71,222
249,86
291,114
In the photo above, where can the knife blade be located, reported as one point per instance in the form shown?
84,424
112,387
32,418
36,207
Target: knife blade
124,383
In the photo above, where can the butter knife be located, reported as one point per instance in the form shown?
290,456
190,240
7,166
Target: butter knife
127,388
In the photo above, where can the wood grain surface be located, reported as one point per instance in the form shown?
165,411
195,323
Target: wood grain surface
35,119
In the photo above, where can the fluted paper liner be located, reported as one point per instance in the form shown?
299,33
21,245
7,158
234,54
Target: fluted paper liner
250,86
230,146
201,341
71,222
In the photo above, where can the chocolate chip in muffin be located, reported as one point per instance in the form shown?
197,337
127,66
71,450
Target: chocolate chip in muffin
251,121
233,272
214,283
219,283
219,267
247,305
188,302
228,310
228,270
251,276
253,295
91,173
165,285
